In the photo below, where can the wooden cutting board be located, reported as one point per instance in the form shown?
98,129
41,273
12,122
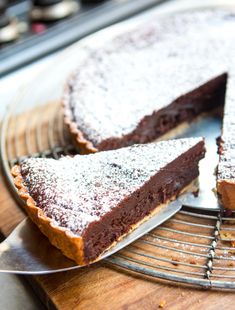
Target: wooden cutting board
101,287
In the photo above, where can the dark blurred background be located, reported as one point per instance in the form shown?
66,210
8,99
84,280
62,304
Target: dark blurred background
31,29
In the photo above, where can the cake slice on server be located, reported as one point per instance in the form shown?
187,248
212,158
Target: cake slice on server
85,204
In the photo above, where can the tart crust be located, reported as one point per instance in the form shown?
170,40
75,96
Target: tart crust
71,245
85,146
226,191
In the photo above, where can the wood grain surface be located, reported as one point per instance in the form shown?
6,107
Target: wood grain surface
102,287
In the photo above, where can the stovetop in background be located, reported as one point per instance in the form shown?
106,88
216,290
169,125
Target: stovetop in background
32,29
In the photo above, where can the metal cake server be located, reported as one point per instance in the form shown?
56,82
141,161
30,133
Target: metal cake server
28,251
210,129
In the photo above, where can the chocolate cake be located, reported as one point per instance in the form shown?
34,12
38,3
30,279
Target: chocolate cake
153,81
86,203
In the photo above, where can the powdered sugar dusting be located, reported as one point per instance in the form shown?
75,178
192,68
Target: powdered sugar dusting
77,191
145,70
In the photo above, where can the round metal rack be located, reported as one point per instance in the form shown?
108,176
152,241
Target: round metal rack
195,247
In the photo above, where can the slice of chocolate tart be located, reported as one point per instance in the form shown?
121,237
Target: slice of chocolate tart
226,167
151,82
84,204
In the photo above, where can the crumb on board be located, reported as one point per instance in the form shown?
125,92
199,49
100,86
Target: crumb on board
228,237
193,261
162,304
174,261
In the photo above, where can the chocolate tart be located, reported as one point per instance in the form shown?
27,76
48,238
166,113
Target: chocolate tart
151,82
87,203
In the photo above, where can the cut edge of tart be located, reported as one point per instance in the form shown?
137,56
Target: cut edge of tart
225,181
86,146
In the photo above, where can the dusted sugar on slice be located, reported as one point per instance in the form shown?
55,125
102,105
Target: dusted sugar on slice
86,203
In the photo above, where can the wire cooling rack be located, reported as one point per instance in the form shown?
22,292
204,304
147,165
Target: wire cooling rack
196,246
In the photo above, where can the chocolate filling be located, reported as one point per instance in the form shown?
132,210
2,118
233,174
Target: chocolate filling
184,109
166,184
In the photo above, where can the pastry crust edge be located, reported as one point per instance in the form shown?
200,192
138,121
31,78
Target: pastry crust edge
226,193
71,245
85,146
